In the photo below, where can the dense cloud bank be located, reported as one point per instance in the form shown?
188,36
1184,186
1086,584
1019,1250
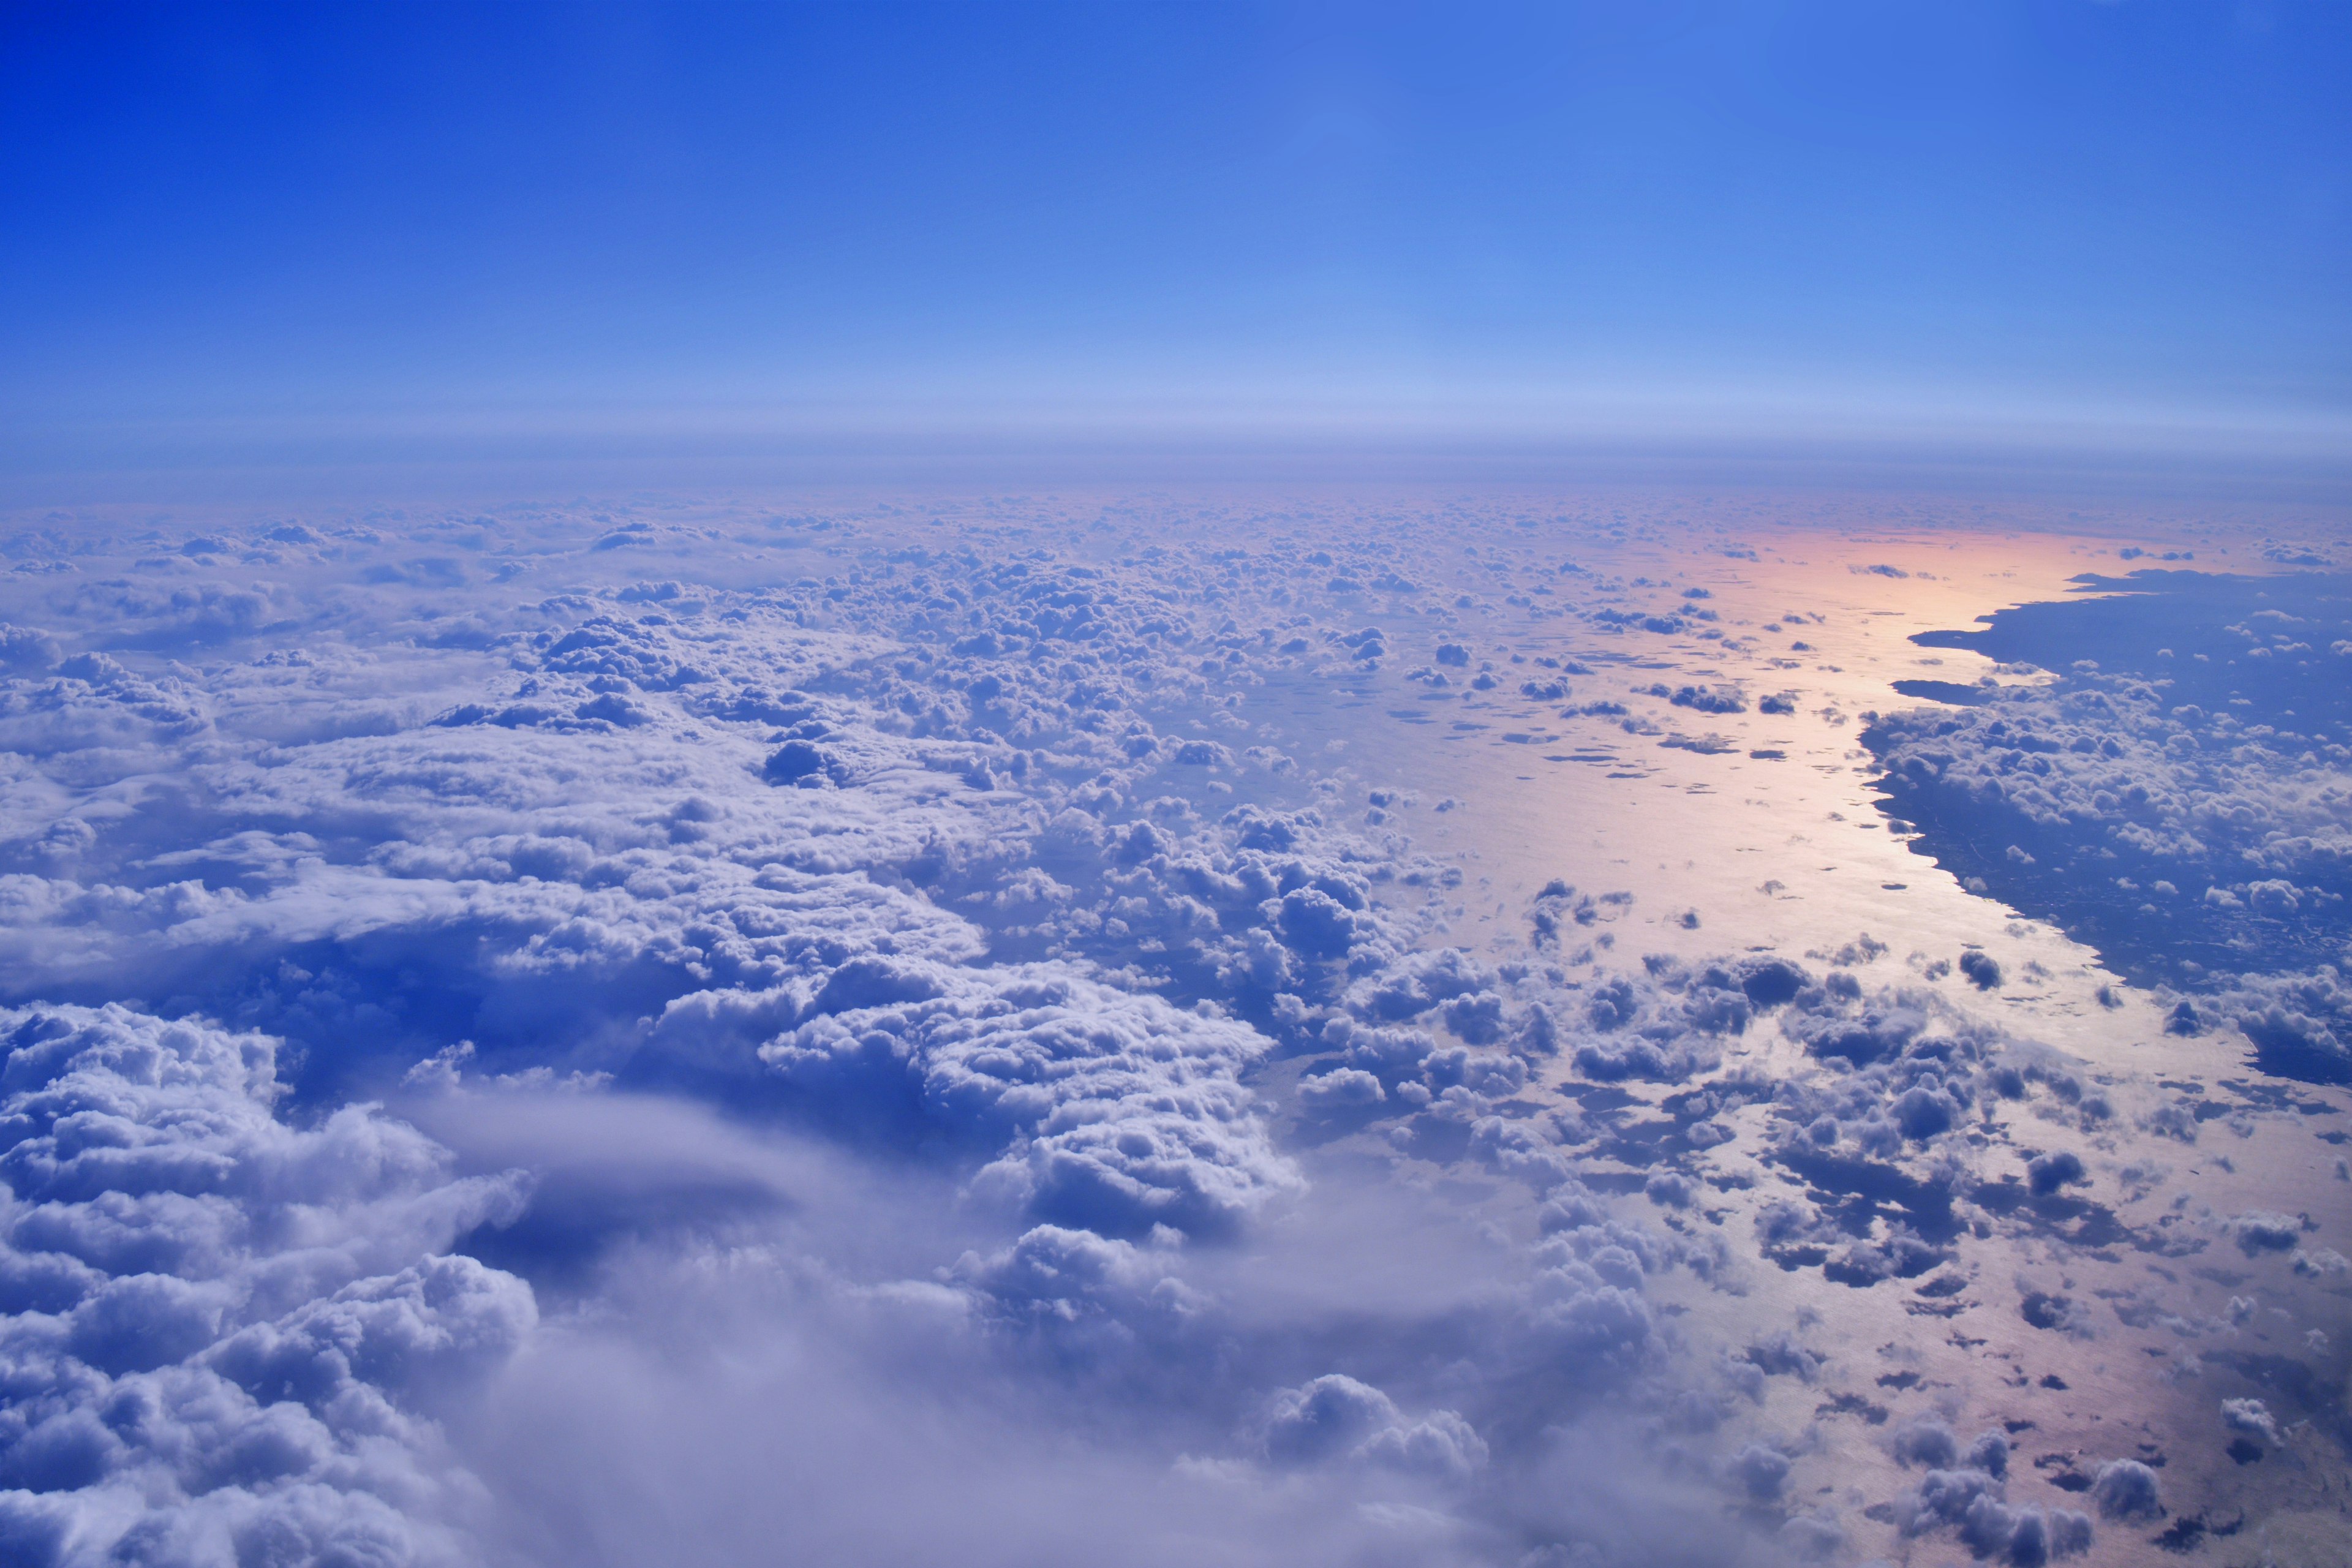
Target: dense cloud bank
2181,806
226,1336
510,1017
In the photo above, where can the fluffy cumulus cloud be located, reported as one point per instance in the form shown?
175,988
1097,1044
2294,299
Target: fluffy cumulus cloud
227,1336
1334,1418
510,1016
1112,1111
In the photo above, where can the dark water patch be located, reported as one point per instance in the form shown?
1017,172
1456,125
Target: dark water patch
2076,1221
1599,1098
1854,1405
2044,1310
2175,799
2188,1532
1872,1188
2137,618
2283,1048
1643,1143
1947,691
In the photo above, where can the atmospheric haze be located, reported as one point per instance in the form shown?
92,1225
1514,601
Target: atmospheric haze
1029,786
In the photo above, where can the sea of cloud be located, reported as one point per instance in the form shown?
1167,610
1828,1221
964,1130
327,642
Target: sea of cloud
600,1037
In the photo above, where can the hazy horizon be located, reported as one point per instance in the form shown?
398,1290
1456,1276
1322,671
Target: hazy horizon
1176,786
257,236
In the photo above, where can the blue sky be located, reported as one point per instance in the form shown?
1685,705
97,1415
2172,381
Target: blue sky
428,224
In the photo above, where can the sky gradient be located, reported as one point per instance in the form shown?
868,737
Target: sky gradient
281,234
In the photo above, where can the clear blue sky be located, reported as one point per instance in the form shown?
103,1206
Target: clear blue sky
498,217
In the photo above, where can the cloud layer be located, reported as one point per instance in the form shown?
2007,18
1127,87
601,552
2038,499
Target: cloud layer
577,1038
